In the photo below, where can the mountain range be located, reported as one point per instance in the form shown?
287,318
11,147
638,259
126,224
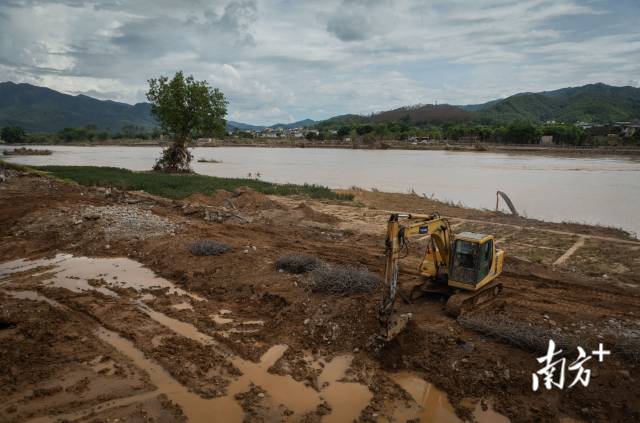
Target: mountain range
40,109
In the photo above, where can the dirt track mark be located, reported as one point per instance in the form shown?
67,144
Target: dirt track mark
563,258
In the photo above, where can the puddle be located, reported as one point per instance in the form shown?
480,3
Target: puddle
239,330
347,400
103,365
221,320
178,326
281,389
74,274
147,297
433,406
196,409
33,296
182,306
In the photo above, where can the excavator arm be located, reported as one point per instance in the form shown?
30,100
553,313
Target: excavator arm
399,228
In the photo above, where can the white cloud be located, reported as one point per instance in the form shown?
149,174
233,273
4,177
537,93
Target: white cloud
284,60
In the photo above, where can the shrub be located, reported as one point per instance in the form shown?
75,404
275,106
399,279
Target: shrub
343,280
207,247
297,263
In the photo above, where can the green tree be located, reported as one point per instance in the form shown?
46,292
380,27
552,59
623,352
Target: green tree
185,108
364,129
13,134
344,131
521,133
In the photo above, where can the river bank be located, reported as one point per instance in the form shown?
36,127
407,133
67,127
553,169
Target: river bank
554,188
439,145
236,332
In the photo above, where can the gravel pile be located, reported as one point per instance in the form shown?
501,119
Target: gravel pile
119,222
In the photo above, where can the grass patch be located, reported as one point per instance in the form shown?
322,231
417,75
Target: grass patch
180,186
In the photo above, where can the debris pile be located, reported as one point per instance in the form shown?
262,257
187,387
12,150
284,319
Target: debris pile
207,247
121,222
343,280
298,263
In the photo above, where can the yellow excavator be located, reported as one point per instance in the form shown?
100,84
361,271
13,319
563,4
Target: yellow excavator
463,267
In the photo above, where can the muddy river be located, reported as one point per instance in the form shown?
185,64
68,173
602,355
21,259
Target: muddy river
602,191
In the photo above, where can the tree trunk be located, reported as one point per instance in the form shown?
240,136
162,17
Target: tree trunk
176,158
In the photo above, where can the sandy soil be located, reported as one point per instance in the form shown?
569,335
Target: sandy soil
89,334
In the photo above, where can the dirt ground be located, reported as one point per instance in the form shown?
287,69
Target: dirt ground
105,315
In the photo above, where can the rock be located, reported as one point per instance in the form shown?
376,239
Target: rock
306,321
355,350
261,395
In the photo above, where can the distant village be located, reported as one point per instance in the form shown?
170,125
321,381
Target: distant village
290,133
613,129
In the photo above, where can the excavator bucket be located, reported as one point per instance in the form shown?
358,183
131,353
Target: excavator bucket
396,323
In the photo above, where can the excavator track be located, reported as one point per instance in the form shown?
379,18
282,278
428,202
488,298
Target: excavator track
465,301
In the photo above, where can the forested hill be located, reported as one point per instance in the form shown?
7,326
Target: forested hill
39,109
589,103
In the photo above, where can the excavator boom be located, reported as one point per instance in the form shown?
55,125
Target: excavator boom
399,228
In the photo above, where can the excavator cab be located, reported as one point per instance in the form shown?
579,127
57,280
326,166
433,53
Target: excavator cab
474,261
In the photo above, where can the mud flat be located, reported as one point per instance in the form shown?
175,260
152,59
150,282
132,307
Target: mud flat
103,317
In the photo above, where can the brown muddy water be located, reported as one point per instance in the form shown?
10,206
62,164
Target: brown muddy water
433,406
346,399
544,187
82,273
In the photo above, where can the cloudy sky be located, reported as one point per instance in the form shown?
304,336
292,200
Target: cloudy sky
285,60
